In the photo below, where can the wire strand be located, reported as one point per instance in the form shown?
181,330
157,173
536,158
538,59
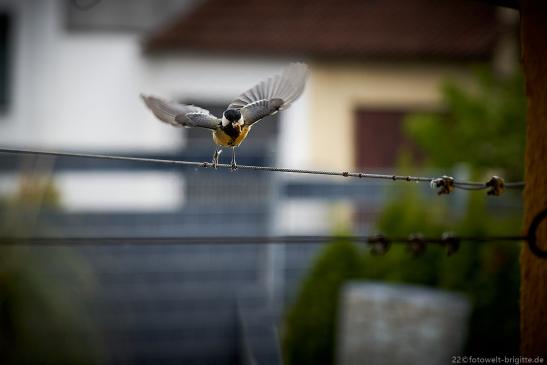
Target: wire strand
379,243
465,185
190,240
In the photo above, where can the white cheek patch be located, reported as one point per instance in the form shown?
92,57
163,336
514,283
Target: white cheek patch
225,121
241,121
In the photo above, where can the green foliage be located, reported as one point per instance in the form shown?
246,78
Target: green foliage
43,290
401,219
487,274
483,128
310,322
44,318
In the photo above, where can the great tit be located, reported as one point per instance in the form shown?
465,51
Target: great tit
266,98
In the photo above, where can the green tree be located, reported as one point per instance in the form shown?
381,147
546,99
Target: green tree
44,317
481,128
486,273
310,323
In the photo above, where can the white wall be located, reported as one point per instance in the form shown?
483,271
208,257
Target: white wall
76,90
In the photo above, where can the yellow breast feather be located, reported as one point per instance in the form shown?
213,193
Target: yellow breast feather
222,139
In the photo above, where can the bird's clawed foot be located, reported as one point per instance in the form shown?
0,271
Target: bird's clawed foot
216,155
234,165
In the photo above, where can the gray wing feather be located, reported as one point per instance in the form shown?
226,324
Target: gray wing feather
273,94
257,110
180,115
199,119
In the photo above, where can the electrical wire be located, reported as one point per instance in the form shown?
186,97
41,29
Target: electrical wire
379,243
222,240
439,182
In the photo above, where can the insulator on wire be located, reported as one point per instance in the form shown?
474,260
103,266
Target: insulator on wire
379,244
445,184
451,242
496,185
416,244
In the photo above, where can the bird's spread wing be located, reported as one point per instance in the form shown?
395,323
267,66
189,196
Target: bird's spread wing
273,94
181,115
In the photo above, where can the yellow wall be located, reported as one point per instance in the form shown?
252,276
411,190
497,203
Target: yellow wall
337,90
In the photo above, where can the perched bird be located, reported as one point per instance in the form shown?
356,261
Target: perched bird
265,98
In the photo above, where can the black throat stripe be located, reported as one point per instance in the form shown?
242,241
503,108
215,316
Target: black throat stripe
232,131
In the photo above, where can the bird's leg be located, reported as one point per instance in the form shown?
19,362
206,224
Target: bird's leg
234,165
216,155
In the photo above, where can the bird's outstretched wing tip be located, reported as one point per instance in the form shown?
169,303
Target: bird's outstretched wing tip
153,102
147,98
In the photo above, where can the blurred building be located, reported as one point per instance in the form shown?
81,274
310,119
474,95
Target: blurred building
371,63
70,77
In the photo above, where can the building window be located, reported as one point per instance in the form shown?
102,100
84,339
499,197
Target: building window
5,60
379,138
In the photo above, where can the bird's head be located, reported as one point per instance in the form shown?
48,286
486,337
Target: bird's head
232,116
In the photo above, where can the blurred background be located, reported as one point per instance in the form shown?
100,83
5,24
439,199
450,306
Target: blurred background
421,87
